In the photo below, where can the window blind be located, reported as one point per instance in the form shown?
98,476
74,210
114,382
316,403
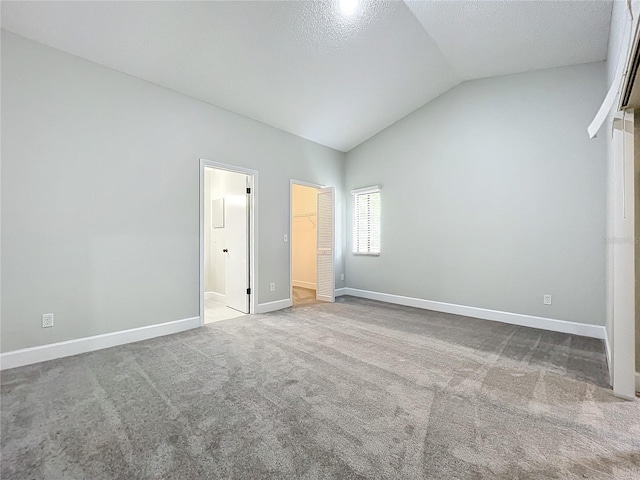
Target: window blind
366,221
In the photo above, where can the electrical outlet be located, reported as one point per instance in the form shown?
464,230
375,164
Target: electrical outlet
47,320
342,276
285,237
546,299
272,287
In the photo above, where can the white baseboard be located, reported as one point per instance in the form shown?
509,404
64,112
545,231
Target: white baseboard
218,297
273,306
300,283
43,353
583,329
339,292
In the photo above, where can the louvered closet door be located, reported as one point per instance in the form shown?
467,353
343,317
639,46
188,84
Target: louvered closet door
325,214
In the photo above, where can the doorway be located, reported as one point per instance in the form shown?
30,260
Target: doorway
227,211
312,244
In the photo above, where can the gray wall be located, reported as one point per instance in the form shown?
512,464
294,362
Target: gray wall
100,196
492,195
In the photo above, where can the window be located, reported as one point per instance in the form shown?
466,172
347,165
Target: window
366,221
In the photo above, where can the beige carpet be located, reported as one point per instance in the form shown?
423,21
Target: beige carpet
303,296
355,389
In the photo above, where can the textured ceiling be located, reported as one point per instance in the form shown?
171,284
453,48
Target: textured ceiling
305,68
488,38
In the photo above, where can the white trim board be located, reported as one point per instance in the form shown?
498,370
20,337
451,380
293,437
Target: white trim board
607,349
218,297
43,353
273,306
300,283
563,326
340,292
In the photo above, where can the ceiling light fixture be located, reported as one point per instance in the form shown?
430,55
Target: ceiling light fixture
348,7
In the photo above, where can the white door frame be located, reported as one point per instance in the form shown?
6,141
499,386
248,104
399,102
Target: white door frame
293,182
253,230
623,355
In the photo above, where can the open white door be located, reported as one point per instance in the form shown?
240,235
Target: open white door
325,289
236,249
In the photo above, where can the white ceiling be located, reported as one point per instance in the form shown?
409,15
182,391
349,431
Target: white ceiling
488,38
306,68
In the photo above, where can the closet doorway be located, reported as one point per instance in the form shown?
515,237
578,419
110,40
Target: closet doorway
312,243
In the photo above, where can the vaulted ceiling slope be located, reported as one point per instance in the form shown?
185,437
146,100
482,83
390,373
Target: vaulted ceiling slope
305,67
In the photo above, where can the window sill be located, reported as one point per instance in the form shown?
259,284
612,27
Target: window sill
366,254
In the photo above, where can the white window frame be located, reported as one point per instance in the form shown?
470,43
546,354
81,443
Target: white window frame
354,193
